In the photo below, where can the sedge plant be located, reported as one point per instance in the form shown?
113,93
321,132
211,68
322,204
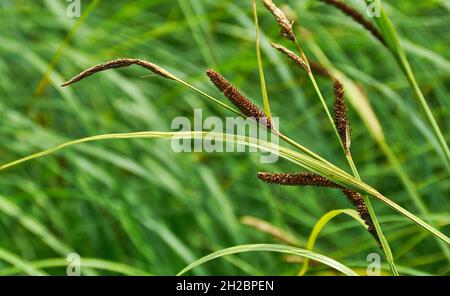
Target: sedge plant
319,171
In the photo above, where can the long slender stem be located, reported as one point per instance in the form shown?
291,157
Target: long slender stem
209,97
428,113
302,148
319,93
260,66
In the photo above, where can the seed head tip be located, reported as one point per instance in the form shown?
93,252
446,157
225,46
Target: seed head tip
281,18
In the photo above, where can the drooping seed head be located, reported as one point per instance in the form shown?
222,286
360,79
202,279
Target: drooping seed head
120,63
247,107
357,201
282,20
291,55
297,179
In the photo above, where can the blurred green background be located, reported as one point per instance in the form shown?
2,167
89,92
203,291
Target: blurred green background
141,207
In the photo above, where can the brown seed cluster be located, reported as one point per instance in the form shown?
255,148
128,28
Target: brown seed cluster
120,63
247,107
291,55
341,115
312,179
282,20
358,202
296,179
358,17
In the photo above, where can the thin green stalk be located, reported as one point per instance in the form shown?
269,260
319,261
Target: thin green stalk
85,263
19,263
271,248
318,92
302,148
209,97
260,66
411,190
428,112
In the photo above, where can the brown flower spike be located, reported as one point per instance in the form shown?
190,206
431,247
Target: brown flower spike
282,20
312,179
237,99
119,63
341,115
296,179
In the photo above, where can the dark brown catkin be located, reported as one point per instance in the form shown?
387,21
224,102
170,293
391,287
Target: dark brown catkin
312,179
341,114
119,63
358,17
357,201
296,179
237,99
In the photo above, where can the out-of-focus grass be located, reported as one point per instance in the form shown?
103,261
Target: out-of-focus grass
137,203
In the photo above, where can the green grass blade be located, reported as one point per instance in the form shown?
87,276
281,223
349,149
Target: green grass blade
413,218
93,263
198,34
18,263
320,225
34,226
387,30
272,248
